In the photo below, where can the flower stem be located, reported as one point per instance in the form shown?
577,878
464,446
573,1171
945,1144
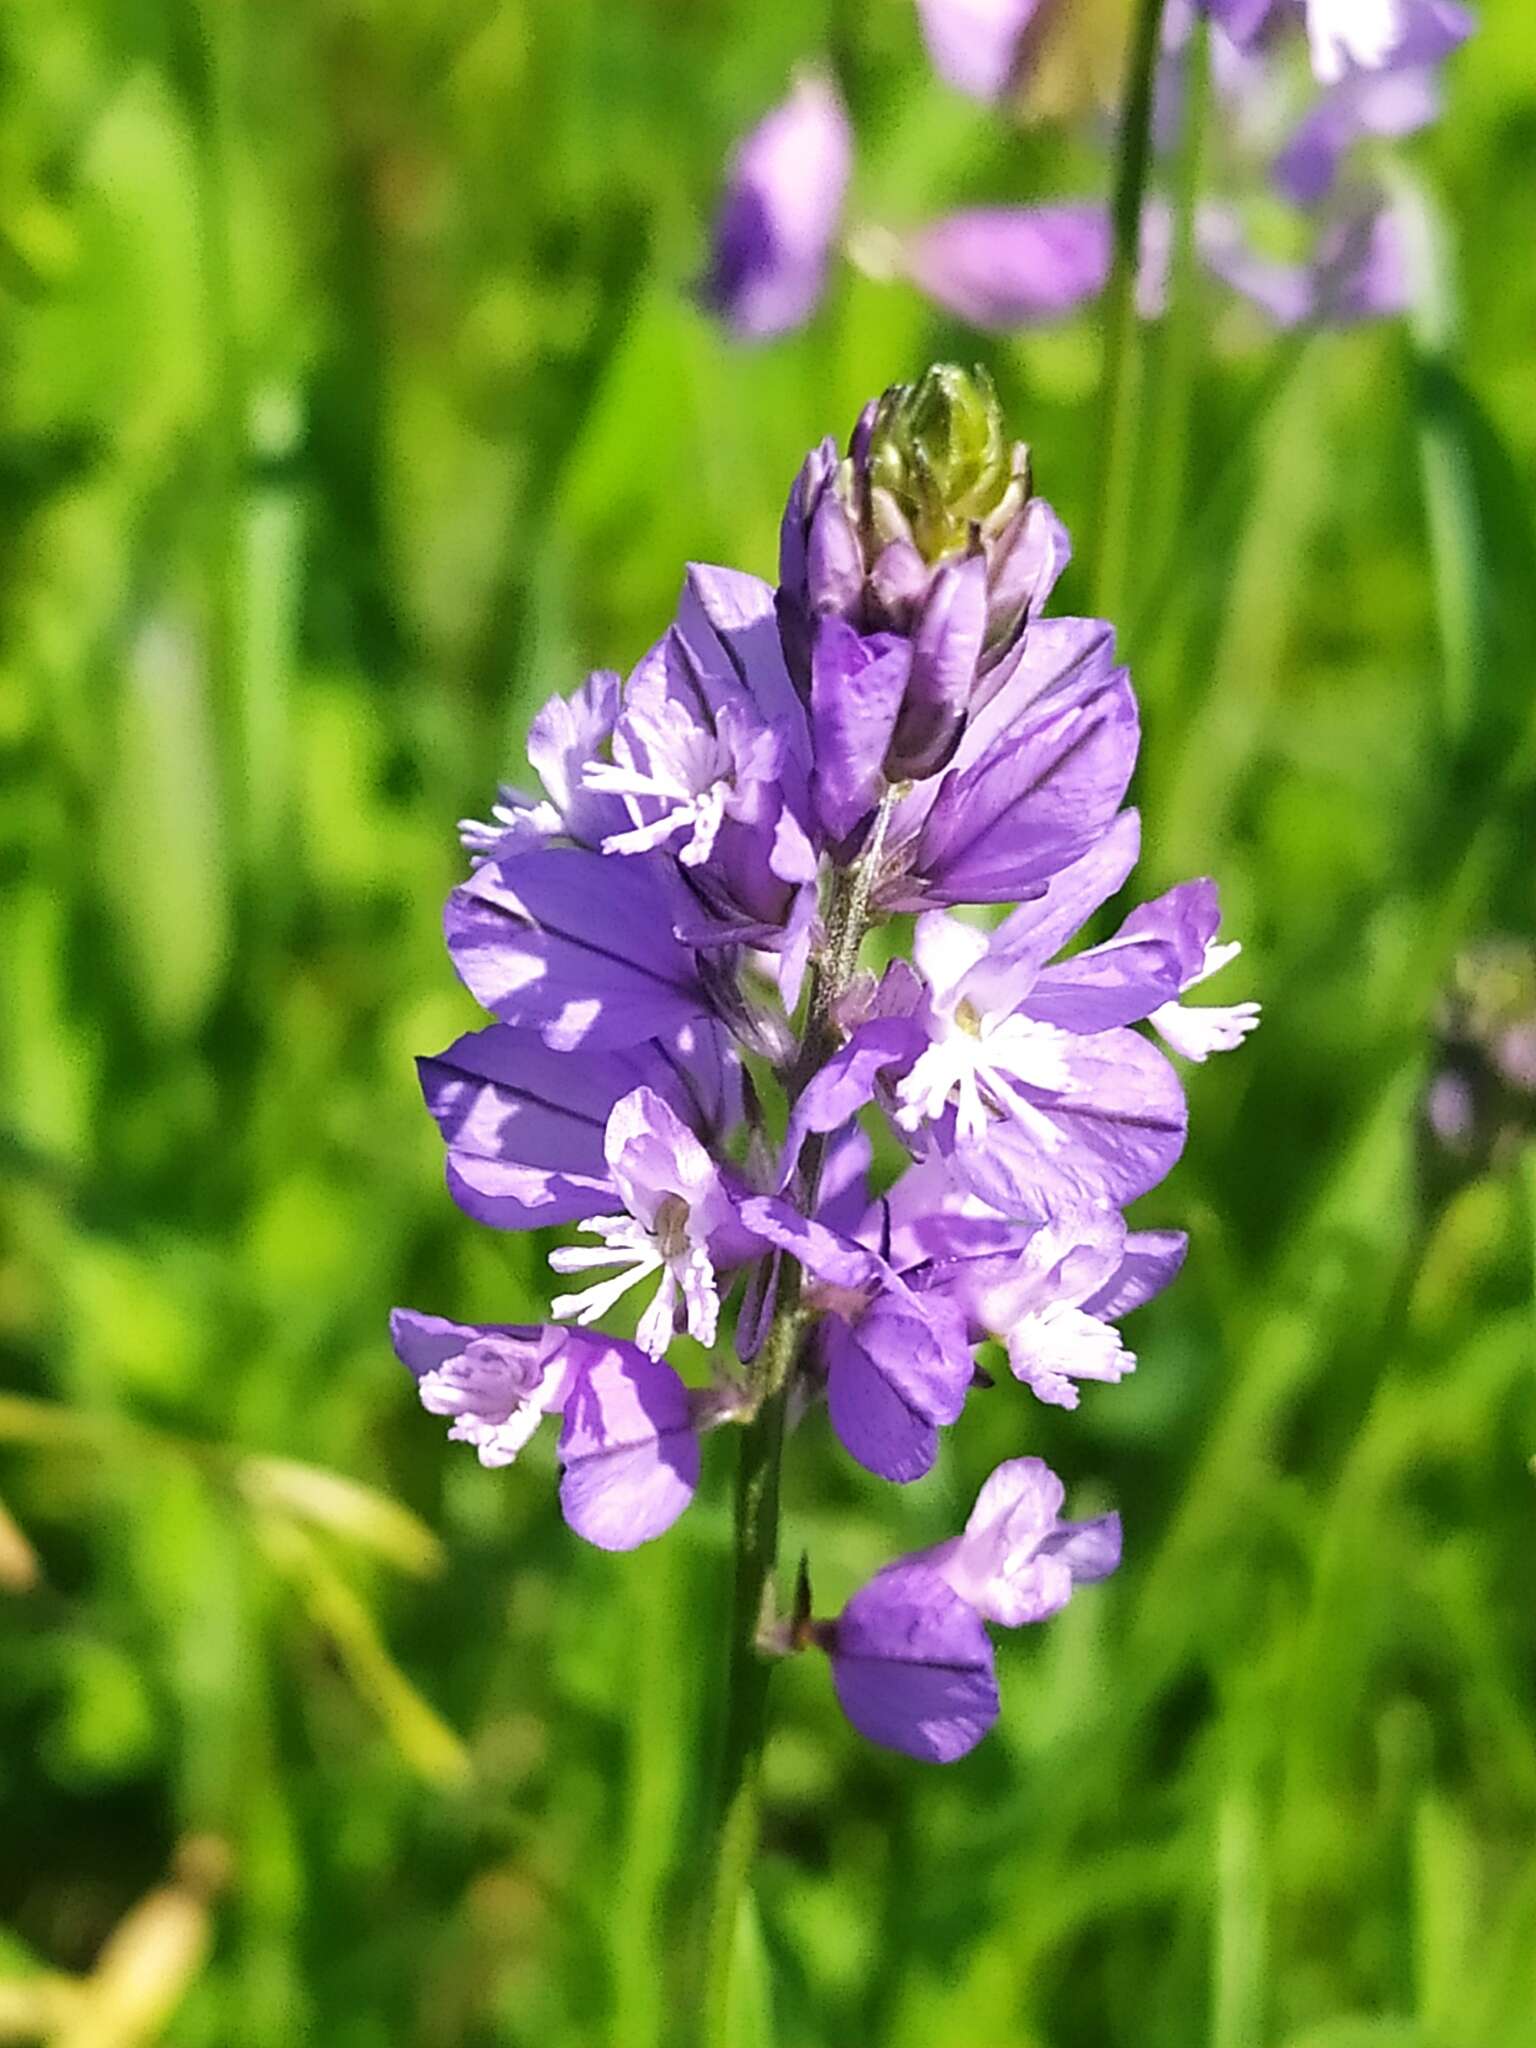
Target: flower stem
1120,399
735,1848
757,1475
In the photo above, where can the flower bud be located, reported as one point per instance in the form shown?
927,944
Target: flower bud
937,449
926,528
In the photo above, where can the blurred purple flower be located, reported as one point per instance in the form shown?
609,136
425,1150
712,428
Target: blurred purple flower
977,45
779,218
1005,267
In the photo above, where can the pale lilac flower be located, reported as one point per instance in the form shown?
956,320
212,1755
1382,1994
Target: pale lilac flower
496,1381
1016,1561
1007,267
779,217
1348,36
1050,1292
628,1449
677,1220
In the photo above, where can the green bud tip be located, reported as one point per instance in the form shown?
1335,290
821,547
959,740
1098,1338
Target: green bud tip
938,447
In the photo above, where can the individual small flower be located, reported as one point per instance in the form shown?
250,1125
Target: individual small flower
1050,1293
567,733
678,1221
1359,269
977,46
779,218
1009,267
911,1663
898,1365
628,1448
912,1666
497,1381
703,775
1016,1561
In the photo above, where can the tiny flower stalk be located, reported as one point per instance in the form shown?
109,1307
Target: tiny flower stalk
898,727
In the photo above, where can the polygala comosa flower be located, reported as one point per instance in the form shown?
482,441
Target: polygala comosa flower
690,1056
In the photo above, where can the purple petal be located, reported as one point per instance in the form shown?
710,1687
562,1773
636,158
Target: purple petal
856,692
1089,1550
568,733
945,651
841,1088
523,1125
628,1448
576,946
1389,103
912,1666
495,1380
1103,986
1040,928
1121,1130
729,620
875,1426
976,45
824,1253
1152,1259
1008,267
776,225
1029,807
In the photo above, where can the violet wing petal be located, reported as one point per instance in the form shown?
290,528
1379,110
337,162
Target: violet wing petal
1152,1259
913,1668
841,1088
824,1253
523,1125
729,619
1008,267
1121,1130
1029,808
576,946
1104,986
628,1448
856,692
874,1425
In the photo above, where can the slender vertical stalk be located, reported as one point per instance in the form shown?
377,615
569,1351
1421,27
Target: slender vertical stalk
1180,327
757,1475
1120,396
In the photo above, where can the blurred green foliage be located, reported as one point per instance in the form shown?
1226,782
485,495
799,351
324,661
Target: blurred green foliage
351,401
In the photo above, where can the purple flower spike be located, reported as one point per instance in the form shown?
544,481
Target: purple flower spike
628,1448
780,214
912,1666
1017,1561
1007,267
496,1380
977,45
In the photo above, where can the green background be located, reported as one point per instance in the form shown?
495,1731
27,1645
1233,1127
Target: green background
351,402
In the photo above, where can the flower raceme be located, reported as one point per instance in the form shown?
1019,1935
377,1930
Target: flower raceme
688,1059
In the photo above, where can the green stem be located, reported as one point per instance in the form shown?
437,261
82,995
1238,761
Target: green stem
757,1474
1121,391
